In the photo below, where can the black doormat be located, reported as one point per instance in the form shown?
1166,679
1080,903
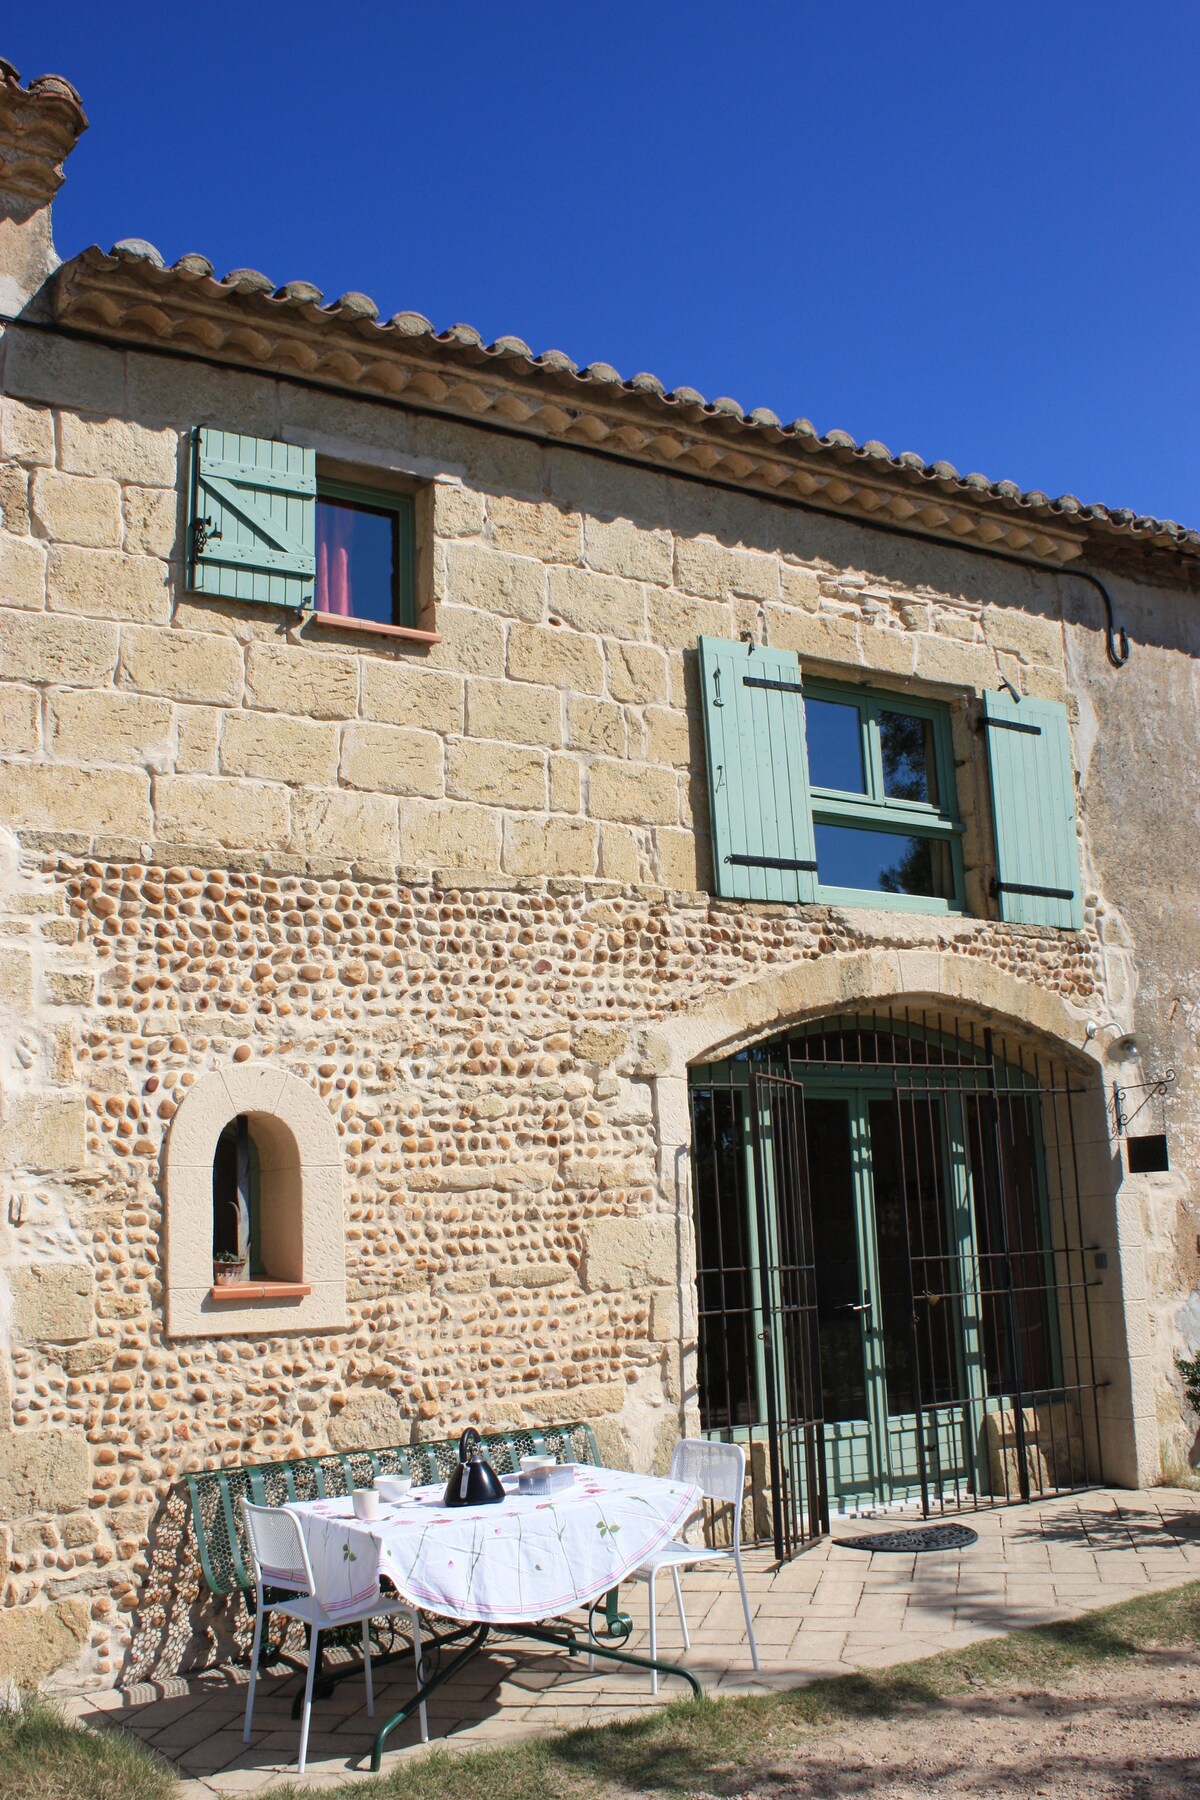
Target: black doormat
924,1537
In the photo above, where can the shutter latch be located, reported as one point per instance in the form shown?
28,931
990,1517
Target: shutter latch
203,535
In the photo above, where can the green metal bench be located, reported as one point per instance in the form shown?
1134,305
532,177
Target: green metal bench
216,1493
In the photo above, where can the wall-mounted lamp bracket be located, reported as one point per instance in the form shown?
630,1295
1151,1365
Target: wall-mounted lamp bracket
1157,1086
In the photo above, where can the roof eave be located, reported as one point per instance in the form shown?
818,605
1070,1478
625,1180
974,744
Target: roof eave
128,296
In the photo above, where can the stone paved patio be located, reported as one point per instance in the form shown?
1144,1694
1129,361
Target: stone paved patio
832,1610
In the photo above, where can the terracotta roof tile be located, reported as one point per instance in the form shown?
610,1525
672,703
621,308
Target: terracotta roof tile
301,299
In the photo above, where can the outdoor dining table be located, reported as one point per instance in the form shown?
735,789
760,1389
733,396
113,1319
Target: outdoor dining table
514,1564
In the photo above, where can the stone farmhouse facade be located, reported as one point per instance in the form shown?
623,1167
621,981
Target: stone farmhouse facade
443,920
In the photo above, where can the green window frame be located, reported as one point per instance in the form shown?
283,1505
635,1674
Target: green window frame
873,809
401,509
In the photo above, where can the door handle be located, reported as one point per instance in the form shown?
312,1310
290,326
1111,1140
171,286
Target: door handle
856,1306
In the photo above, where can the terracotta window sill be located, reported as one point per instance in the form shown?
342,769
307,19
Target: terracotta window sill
407,633
236,1293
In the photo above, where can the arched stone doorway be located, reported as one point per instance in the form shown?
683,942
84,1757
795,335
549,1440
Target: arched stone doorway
965,996
894,1279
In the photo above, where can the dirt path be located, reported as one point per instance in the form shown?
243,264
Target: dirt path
1127,1729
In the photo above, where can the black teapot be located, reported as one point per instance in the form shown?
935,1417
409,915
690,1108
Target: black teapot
474,1482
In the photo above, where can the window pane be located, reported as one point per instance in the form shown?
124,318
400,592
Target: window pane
883,862
909,764
835,758
356,560
236,1188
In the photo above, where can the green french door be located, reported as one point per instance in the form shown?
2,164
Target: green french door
902,1317
883,1177
889,1197
893,1275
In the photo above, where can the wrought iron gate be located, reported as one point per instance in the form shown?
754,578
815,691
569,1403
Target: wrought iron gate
1028,1426
756,1281
978,1315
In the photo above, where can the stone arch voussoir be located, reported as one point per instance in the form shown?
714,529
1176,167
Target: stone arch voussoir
743,1015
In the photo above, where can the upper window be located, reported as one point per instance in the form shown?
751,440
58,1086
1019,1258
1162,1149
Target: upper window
364,553
265,526
880,772
847,795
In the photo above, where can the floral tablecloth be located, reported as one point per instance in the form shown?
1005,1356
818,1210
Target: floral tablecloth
521,1560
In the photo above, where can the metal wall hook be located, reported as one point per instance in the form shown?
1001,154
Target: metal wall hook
1116,638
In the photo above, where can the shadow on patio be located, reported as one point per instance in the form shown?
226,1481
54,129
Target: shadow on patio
831,1611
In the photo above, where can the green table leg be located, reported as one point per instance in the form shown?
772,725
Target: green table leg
406,1712
593,1646
617,1625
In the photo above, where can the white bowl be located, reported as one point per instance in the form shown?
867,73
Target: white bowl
530,1465
393,1488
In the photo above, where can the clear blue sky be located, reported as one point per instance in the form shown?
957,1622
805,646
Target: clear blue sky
970,231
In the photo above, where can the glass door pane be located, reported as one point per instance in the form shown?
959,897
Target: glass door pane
908,1166
849,1400
835,1253
728,1303
923,1238
1017,1276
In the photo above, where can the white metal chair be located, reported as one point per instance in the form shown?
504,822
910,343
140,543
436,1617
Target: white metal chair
719,1471
280,1557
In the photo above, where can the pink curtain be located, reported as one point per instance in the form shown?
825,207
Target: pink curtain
335,529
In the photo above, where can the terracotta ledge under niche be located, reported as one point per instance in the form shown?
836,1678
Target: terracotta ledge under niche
406,633
236,1293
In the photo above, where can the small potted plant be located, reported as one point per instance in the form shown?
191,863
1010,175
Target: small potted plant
228,1267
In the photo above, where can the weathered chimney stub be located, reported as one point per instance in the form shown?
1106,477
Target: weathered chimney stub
39,127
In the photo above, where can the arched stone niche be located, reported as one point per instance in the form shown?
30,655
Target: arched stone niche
966,988
303,1231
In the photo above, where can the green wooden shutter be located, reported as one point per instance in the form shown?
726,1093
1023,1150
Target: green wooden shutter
1033,808
763,846
252,527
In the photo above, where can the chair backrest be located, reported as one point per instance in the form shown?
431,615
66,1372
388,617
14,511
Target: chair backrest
277,1547
718,1470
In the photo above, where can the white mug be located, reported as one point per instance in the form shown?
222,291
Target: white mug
366,1503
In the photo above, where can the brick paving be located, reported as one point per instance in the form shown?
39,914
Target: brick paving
832,1610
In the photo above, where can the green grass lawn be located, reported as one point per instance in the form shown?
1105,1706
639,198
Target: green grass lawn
682,1748
43,1758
